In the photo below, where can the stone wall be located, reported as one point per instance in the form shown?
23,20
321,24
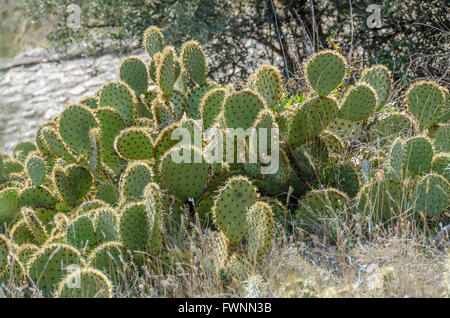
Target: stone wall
32,91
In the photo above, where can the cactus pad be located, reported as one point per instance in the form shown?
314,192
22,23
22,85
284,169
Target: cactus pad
134,144
418,155
185,179
193,60
74,125
121,98
425,101
442,139
261,229
48,267
360,103
325,71
92,284
133,71
242,108
311,119
379,77
432,195
266,81
134,179
231,205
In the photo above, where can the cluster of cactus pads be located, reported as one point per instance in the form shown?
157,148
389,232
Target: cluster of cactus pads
98,189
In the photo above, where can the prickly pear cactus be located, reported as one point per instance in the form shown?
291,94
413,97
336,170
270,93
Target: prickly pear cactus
311,119
241,109
425,100
48,267
360,102
266,81
186,175
231,205
261,229
432,195
379,77
324,71
418,155
85,283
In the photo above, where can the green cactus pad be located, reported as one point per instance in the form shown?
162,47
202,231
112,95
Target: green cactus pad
35,226
241,109
317,208
161,111
193,60
425,102
324,71
23,149
261,230
266,81
9,205
418,155
391,126
72,183
108,193
318,203
311,119
81,233
442,139
142,110
211,106
110,258
165,76
90,102
396,159
344,178
164,141
20,233
231,205
36,197
121,98
194,98
185,179
40,141
74,125
134,179
382,200
359,103
89,206
133,71
178,103
432,195
134,144
111,124
153,41
12,167
92,284
154,65
154,205
36,169
441,165
26,252
56,145
106,225
48,267
4,252
379,77
80,180
133,227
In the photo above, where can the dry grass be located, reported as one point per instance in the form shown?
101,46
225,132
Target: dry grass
400,263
